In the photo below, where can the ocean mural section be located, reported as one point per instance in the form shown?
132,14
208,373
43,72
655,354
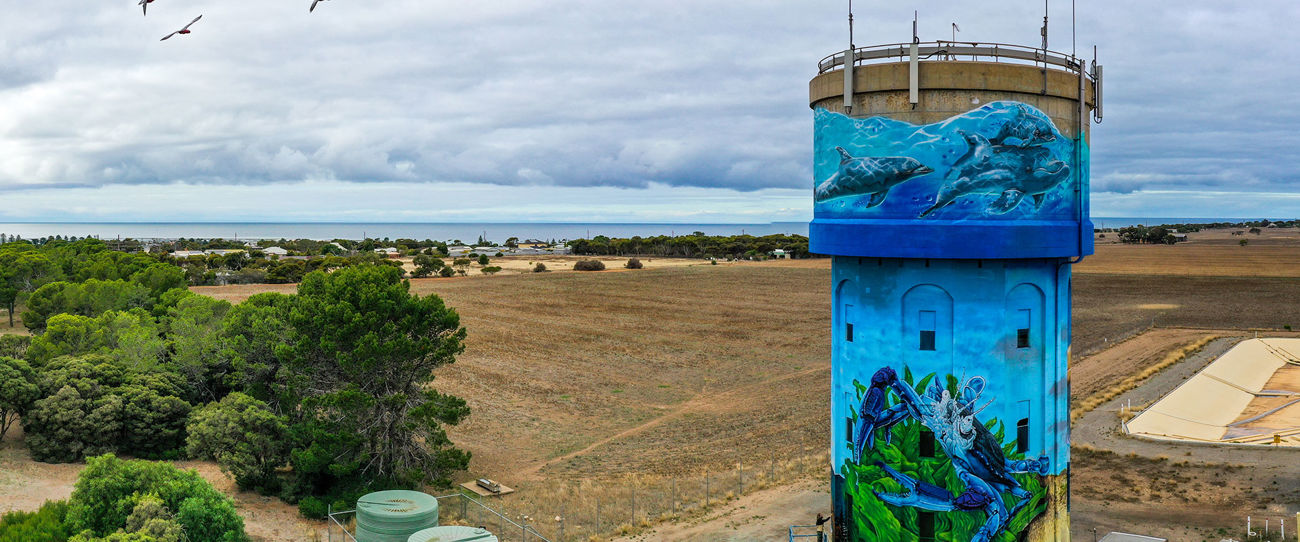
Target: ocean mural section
1004,160
950,400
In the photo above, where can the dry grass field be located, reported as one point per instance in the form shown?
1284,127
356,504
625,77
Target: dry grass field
613,387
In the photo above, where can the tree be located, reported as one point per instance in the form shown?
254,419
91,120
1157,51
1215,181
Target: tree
512,242
131,337
93,404
256,332
14,346
22,271
1243,242
367,349
446,272
243,436
198,347
59,430
1256,231
90,298
159,278
482,259
426,265
18,390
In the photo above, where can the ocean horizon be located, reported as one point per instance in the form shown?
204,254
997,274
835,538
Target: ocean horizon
449,231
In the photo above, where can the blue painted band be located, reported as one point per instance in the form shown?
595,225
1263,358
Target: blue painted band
950,239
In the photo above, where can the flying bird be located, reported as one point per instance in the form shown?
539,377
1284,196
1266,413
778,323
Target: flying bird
185,30
144,4
313,5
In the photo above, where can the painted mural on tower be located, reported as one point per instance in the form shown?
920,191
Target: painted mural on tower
1002,160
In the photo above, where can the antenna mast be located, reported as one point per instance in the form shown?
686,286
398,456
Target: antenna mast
851,47
1044,32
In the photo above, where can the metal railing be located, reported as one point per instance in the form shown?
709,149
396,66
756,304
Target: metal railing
454,509
799,532
956,51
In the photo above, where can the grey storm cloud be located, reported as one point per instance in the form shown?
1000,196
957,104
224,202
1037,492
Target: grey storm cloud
1199,94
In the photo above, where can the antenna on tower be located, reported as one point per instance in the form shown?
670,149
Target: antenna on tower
1044,31
851,25
915,38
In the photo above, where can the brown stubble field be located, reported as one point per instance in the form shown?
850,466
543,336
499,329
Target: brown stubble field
598,379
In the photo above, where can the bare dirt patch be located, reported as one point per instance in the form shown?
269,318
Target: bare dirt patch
26,484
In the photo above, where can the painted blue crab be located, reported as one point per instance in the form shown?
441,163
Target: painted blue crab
976,454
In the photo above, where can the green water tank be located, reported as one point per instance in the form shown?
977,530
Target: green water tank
453,534
393,516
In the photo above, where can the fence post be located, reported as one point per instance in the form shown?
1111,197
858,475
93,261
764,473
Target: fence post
706,488
464,507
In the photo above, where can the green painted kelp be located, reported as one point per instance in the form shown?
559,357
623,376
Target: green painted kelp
874,520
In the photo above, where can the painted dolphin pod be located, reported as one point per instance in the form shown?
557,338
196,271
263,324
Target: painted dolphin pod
982,164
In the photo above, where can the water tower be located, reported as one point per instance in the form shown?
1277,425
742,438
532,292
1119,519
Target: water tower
951,189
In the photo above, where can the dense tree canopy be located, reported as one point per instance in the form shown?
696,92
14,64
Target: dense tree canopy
95,404
695,245
324,393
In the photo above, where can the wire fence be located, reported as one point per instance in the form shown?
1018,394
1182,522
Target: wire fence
601,509
606,508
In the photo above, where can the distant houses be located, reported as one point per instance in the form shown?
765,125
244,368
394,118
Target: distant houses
275,251
210,252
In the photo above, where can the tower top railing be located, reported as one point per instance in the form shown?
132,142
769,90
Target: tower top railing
957,51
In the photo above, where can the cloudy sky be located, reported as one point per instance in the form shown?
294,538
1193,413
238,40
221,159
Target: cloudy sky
523,110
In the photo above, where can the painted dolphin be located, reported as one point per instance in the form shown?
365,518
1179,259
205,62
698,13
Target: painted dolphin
979,153
873,176
1024,129
1009,172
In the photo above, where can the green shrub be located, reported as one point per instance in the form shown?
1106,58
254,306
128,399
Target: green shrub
539,268
109,490
311,507
589,265
491,270
48,524
633,264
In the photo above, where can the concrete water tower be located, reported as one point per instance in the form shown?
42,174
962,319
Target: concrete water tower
951,189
